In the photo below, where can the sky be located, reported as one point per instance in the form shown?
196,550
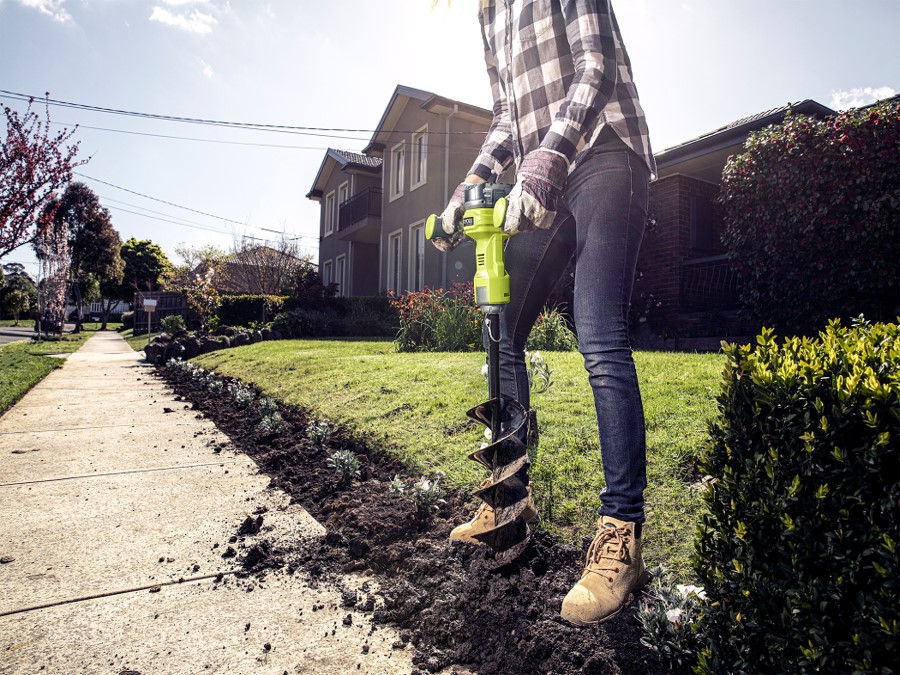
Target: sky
698,65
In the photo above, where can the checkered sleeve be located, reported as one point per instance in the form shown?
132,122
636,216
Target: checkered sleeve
589,30
496,151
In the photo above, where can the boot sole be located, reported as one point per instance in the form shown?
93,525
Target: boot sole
642,581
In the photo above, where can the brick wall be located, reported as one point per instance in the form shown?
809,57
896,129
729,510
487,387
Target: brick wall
667,243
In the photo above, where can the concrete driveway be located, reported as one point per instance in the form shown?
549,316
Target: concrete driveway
116,503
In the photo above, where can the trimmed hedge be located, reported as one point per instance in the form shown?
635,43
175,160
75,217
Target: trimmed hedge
339,317
244,310
798,551
811,208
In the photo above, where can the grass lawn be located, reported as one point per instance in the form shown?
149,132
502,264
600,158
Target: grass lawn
24,364
137,342
414,405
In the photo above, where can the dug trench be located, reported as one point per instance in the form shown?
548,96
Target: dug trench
453,606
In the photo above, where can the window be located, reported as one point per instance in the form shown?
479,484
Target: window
328,273
419,157
339,272
398,162
330,213
343,196
417,257
394,279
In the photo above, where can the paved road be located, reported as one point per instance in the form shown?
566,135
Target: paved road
113,517
16,333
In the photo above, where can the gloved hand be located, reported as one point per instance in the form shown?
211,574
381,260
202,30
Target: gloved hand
451,220
534,199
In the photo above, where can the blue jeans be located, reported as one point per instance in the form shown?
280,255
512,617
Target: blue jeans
601,223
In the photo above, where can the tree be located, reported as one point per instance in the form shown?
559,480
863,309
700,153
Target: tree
204,299
34,166
94,245
196,260
16,302
812,209
263,270
52,247
15,280
146,266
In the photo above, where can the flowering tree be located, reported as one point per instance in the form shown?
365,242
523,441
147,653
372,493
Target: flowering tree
52,247
203,298
34,165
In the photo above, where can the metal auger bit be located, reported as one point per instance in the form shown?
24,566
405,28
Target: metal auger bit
506,494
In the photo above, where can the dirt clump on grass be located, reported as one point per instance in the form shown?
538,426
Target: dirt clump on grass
450,601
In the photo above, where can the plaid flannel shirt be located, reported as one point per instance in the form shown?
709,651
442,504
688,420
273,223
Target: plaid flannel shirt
559,73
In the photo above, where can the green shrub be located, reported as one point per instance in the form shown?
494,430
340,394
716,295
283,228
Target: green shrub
127,320
811,210
798,551
242,310
304,323
435,320
551,333
172,324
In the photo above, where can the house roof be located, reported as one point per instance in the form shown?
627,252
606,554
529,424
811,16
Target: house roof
737,131
345,160
703,157
428,101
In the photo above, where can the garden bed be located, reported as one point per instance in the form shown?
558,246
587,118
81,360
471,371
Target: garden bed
447,600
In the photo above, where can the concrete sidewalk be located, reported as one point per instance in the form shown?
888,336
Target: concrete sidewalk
116,503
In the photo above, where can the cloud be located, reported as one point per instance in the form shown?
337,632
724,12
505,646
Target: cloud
179,3
193,22
859,96
206,68
52,8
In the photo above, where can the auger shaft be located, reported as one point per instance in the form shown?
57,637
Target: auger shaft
506,455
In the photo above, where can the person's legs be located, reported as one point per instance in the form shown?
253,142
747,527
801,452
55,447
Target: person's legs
607,196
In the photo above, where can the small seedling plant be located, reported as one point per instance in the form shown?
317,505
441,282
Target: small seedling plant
346,464
271,425
320,432
668,616
242,394
426,495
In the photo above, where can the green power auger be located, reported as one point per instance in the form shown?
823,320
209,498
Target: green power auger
509,422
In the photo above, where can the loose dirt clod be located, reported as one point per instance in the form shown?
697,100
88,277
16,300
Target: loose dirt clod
454,606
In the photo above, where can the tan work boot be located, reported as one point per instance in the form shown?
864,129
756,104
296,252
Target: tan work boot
613,572
484,520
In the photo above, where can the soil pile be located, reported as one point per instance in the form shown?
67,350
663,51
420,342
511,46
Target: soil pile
450,600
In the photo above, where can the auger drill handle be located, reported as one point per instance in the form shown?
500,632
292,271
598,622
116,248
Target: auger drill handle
485,212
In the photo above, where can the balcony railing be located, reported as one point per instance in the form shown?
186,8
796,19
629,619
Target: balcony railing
708,283
364,204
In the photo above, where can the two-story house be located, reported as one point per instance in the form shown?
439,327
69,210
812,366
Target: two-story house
374,204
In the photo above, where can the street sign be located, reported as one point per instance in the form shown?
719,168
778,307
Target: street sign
149,305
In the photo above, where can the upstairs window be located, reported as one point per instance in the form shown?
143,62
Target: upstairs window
702,223
330,213
398,164
419,158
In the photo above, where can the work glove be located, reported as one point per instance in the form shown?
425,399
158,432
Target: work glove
534,200
451,220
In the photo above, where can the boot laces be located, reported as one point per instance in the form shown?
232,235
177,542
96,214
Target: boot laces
607,552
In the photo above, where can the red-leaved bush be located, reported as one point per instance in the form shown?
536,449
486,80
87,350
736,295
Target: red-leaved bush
812,218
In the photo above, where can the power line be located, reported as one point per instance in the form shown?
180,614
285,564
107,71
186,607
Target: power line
256,126
189,138
453,149
179,206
